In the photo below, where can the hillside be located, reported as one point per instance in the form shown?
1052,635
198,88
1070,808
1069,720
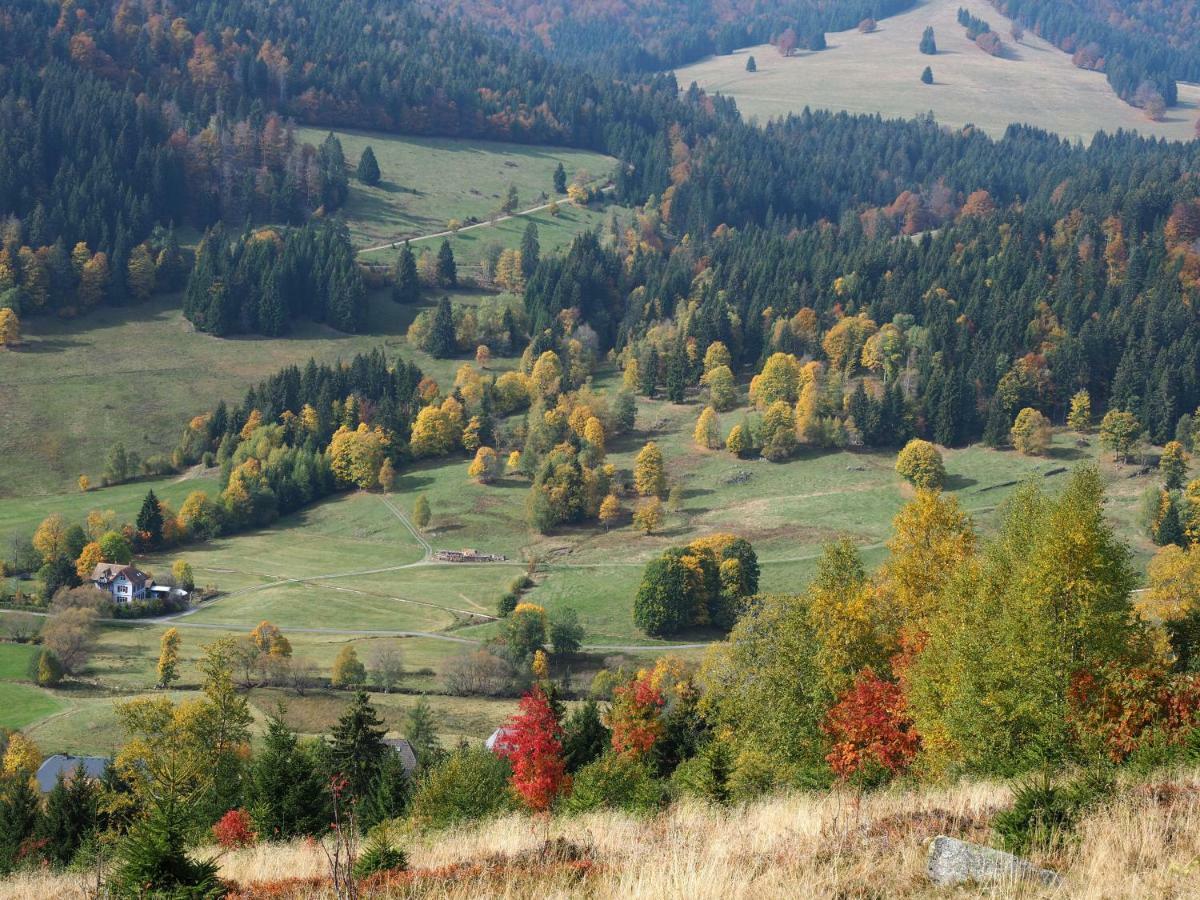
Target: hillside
840,844
1034,83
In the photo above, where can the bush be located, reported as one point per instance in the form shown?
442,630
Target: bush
45,669
1044,815
615,782
472,783
379,855
234,830
508,602
754,774
706,775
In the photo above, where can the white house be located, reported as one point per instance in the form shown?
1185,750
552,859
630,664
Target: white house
124,583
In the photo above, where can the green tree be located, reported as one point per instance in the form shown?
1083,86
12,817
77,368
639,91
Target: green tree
442,343
447,271
71,816
421,513
389,792
150,520
751,65
566,631
1120,432
928,42
420,730
368,168
114,548
927,75
406,283
357,745
530,250
560,179
585,736
921,464
663,604
285,791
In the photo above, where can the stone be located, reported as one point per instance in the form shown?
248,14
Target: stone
954,862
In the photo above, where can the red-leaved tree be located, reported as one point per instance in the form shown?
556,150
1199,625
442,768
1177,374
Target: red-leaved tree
1122,706
234,830
533,744
870,727
636,716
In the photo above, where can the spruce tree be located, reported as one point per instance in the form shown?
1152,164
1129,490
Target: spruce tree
70,817
560,179
358,745
406,284
420,730
18,817
388,797
928,42
676,377
442,343
927,75
530,251
368,168
285,789
150,520
447,271
751,65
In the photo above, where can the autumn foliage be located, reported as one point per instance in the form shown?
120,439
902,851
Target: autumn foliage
636,716
533,745
234,830
870,727
1125,707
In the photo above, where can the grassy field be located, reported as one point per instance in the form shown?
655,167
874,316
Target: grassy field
879,73
428,181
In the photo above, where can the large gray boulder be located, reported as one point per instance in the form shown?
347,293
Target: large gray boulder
953,862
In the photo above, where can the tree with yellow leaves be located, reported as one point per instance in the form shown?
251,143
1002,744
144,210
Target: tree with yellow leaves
85,483
708,430
483,356
433,433
140,273
722,389
387,476
778,380
648,517
843,343
630,378
610,510
485,466
270,641
357,456
50,539
1080,416
168,657
1171,603
513,466
254,421
89,558
921,463
649,471
717,355
22,757
1030,434
546,377
10,328
593,433
738,442
845,618
99,523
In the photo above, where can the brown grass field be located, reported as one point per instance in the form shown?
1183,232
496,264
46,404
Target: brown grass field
880,72
1144,844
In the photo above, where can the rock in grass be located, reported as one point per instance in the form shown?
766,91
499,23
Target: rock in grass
953,862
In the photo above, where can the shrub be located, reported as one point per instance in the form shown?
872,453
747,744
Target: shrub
615,782
706,775
508,602
921,463
234,830
45,669
472,783
379,855
754,774
1044,815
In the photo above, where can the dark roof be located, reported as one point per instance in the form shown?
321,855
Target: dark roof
111,571
67,766
408,757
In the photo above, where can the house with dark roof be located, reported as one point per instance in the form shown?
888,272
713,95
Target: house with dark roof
408,756
68,767
124,583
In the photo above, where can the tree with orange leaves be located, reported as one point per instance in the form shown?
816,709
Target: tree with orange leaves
636,716
870,729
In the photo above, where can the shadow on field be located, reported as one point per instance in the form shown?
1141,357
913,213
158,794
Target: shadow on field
958,483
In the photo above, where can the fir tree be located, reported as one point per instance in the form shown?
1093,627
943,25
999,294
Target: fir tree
560,179
447,271
70,816
358,746
751,65
530,251
389,793
928,42
285,788
927,75
442,343
420,730
368,168
150,520
406,284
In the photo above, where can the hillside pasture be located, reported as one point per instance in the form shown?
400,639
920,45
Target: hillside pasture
1034,82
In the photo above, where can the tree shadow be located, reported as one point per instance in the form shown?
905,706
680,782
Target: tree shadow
1065,453
46,345
410,482
958,483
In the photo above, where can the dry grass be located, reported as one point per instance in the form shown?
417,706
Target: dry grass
1146,844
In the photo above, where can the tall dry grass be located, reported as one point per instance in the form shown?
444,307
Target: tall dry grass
1145,844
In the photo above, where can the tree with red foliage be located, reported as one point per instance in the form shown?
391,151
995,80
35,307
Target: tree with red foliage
1124,706
533,744
636,716
234,830
870,728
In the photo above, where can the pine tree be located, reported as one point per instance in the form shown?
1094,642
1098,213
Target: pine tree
560,179
70,817
421,512
18,817
150,520
927,75
442,343
389,793
676,377
285,788
357,745
447,271
406,283
368,168
751,65
929,42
